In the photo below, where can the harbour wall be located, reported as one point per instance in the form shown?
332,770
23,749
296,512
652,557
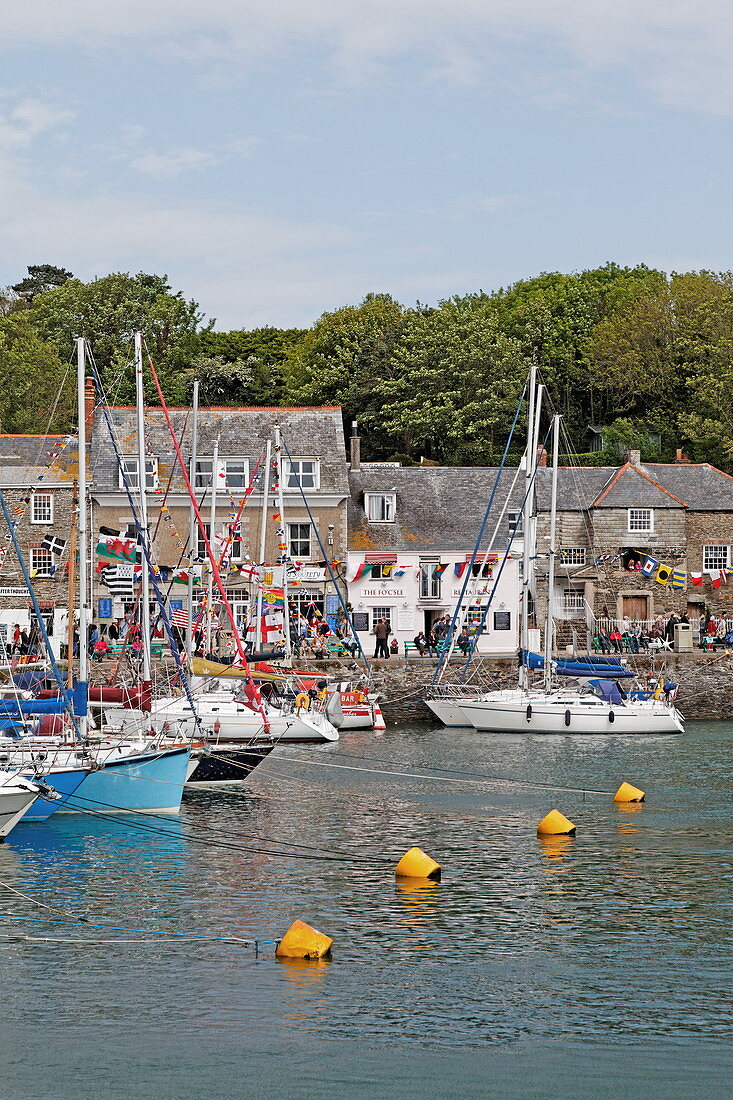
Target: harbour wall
705,681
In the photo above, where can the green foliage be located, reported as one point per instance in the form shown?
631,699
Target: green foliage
108,312
41,277
259,355
37,391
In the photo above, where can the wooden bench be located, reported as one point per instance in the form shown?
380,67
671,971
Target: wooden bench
411,649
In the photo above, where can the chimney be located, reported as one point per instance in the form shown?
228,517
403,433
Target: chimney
90,400
355,444
680,457
541,456
633,458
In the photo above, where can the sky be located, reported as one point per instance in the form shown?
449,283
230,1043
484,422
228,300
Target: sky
280,158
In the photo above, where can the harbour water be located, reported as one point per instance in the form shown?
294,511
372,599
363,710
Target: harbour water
598,965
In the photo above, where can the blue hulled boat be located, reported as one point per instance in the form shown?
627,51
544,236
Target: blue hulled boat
141,782
63,781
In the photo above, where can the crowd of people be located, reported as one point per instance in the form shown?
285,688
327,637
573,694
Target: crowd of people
628,636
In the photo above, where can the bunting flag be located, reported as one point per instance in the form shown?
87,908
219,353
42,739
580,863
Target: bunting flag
696,580
119,579
717,577
460,568
650,566
400,572
273,599
664,572
181,576
56,546
439,570
362,570
679,578
179,618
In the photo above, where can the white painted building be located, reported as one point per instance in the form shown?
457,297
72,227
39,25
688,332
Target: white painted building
411,535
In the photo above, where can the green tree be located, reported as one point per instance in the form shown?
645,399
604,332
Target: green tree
108,311
263,350
41,277
345,359
454,385
37,391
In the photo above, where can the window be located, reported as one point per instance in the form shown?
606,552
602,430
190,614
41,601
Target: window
301,473
236,546
429,583
715,557
235,473
641,519
299,540
131,469
381,613
573,601
380,507
573,555
514,520
42,508
201,545
42,563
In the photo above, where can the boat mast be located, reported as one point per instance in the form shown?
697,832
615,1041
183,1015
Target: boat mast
263,543
551,553
142,480
71,601
82,520
526,549
192,524
212,539
283,554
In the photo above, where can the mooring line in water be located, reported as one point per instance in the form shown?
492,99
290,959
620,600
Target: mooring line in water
476,777
34,901
146,931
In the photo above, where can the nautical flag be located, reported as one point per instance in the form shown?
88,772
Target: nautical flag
650,566
362,570
439,570
718,577
460,568
118,579
400,572
250,572
663,574
696,580
56,546
679,578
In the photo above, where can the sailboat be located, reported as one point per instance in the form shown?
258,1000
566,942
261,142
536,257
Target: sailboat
17,795
599,706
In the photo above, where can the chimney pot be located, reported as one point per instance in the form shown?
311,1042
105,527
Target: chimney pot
90,400
355,446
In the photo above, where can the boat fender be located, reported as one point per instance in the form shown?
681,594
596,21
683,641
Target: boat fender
529,712
611,716
567,717
302,701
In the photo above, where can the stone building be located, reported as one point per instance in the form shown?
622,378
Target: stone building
613,520
314,440
37,479
412,531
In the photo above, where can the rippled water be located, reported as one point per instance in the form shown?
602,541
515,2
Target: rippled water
598,965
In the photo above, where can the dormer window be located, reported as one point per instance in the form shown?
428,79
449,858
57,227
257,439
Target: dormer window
301,473
380,507
641,519
131,470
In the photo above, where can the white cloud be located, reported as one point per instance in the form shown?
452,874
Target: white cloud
173,162
679,49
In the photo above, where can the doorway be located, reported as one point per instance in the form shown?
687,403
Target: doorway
635,608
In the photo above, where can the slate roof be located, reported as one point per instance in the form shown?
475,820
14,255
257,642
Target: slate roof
438,507
24,457
307,432
703,487
631,487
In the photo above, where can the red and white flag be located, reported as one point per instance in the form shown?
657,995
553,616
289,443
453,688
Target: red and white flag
696,580
179,618
717,577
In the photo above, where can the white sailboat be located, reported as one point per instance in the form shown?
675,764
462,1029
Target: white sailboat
17,795
598,707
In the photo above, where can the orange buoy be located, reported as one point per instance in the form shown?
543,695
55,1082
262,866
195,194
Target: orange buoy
303,942
627,793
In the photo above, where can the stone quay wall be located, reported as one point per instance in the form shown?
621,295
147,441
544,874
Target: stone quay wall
705,681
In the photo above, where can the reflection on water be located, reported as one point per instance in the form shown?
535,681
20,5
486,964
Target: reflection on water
525,941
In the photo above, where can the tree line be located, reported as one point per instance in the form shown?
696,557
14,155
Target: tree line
641,354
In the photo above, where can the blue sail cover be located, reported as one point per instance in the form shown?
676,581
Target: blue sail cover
15,707
581,666
608,690
30,679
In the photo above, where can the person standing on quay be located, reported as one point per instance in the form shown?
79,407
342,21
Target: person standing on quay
382,631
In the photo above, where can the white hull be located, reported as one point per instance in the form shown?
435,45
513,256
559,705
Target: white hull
448,712
222,718
16,795
566,712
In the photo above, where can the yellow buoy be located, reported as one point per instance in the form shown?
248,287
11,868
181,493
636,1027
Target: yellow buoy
416,864
627,793
303,942
555,824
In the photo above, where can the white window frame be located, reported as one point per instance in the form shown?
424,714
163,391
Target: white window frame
201,554
41,553
241,474
382,613
203,471
236,546
310,480
715,555
132,471
640,521
389,507
429,583
45,519
294,539
516,524
573,555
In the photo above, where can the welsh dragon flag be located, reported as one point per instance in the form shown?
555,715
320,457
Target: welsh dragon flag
112,547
